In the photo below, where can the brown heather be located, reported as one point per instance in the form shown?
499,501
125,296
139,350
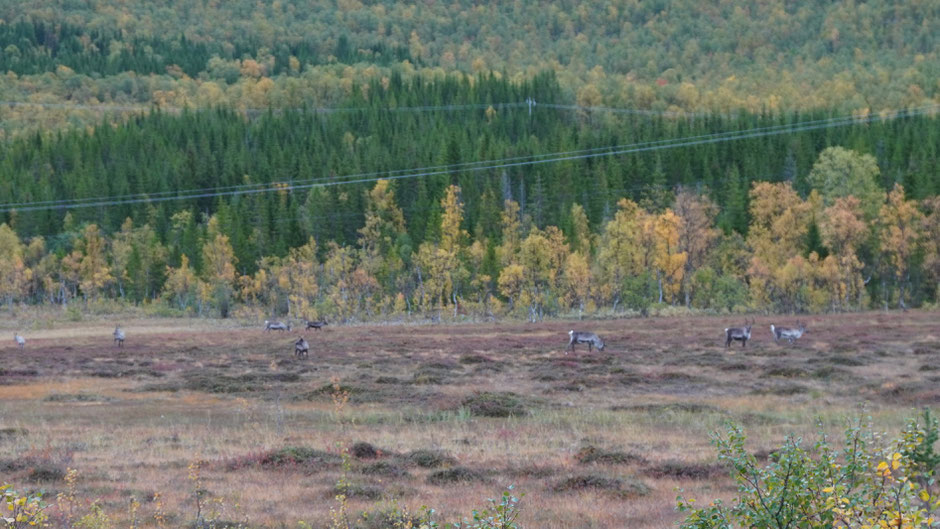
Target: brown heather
205,410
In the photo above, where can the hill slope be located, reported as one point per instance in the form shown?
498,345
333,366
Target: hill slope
680,55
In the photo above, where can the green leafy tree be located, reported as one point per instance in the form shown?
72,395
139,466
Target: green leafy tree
840,172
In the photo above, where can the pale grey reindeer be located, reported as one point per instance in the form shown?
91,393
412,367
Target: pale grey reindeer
119,336
591,339
301,347
788,333
20,341
276,326
316,324
742,334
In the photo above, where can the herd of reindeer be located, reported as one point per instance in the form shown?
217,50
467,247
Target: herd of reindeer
302,348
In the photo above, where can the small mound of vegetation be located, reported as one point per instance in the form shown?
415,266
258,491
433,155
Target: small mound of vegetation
449,476
592,454
675,407
388,380
430,458
495,404
475,358
384,468
386,517
784,371
297,456
785,389
850,361
219,383
363,450
357,491
46,471
427,378
677,469
620,487
533,471
9,433
76,397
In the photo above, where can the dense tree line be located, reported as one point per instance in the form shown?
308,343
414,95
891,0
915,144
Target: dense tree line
34,47
718,224
680,55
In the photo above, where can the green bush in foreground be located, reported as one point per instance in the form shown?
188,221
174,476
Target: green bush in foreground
869,482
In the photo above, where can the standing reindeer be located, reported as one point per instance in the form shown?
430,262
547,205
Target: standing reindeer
276,326
743,334
789,333
119,336
316,324
301,347
20,341
591,339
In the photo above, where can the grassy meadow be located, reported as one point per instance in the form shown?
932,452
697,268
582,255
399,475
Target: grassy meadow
437,415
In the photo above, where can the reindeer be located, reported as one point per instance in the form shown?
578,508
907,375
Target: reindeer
301,347
739,333
591,339
790,333
119,336
276,326
316,324
20,341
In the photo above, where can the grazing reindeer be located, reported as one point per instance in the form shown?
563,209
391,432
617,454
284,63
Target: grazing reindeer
276,326
790,333
739,333
316,324
591,339
301,347
20,341
119,336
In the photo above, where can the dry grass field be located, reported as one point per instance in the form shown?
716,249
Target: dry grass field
444,415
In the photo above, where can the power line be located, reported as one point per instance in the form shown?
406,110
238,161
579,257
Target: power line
474,166
279,185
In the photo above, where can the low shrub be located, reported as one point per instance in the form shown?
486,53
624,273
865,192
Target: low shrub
76,397
384,468
449,476
620,487
357,491
9,433
678,469
495,404
298,456
363,450
430,458
864,481
591,454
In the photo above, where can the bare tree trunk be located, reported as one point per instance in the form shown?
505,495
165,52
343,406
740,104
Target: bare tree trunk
659,282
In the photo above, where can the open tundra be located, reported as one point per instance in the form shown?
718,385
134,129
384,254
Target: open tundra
438,415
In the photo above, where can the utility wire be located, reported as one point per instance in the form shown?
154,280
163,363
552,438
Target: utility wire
480,165
277,185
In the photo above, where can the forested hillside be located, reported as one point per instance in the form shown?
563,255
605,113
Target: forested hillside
363,160
378,211
112,58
